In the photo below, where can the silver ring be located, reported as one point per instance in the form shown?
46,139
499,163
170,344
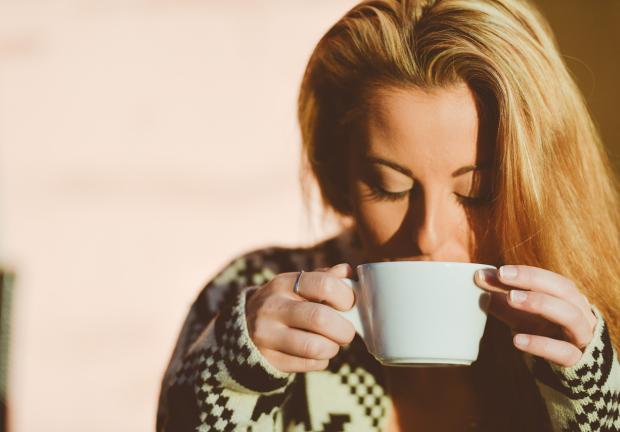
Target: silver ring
297,283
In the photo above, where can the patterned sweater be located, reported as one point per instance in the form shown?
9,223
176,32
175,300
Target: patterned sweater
217,379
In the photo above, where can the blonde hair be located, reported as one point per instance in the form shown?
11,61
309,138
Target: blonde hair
556,203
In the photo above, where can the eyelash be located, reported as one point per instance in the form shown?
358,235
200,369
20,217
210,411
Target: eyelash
472,201
383,195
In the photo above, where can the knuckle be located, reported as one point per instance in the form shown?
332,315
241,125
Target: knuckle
582,343
584,298
255,302
310,348
571,286
260,335
315,365
345,333
283,282
546,347
575,357
268,356
569,353
349,333
308,364
583,302
269,305
332,349
576,301
344,296
325,289
286,276
318,316
574,315
276,281
593,322
534,302
526,275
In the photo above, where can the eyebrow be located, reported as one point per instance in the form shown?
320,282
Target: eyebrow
459,172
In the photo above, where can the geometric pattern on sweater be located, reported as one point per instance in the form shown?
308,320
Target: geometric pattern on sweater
242,364
591,387
368,393
354,399
217,379
361,375
224,370
212,401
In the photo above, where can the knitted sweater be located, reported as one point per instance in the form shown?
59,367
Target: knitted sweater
217,379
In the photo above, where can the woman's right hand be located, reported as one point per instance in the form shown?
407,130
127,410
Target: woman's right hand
300,333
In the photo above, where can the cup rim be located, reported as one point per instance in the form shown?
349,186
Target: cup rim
425,263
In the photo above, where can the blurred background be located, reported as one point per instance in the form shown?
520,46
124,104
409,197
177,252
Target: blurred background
143,145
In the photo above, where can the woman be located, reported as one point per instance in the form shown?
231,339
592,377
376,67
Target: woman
445,130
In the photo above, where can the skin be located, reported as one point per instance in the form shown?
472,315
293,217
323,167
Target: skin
418,147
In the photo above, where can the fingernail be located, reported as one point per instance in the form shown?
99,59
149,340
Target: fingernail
517,296
508,272
479,275
487,275
522,340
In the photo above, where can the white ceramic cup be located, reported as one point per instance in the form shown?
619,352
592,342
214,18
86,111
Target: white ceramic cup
419,313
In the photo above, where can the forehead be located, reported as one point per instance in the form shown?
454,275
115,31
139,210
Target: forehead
424,129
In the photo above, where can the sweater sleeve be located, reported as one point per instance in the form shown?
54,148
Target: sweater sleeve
585,396
217,379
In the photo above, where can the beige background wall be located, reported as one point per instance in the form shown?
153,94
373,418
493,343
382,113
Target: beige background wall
143,144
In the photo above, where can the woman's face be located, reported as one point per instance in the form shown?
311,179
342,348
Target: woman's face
421,184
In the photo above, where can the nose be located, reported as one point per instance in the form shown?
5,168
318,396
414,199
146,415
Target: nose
427,218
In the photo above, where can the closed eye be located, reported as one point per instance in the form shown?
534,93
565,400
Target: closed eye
472,201
381,194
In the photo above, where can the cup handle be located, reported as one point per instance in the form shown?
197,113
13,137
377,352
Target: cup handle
353,314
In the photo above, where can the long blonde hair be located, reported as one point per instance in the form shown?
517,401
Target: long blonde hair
556,204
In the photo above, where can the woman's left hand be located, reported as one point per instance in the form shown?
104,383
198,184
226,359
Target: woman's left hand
552,319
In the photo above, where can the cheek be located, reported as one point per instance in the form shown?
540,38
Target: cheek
380,221
460,232
377,221
483,240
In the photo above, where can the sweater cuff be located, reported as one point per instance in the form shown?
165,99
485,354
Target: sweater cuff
586,376
592,354
244,362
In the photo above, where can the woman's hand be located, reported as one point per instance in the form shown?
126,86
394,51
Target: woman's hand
300,333
552,319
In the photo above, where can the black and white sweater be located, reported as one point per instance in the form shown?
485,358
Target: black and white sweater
217,380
